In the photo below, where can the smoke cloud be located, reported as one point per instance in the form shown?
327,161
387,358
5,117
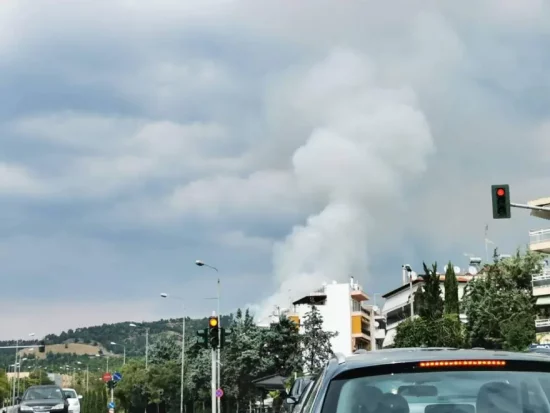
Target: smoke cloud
367,140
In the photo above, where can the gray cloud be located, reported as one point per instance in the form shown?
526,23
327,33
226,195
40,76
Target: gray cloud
124,125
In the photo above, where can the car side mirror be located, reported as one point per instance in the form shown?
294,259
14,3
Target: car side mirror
18,400
291,400
67,397
80,397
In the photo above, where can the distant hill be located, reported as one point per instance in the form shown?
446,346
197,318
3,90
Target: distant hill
89,340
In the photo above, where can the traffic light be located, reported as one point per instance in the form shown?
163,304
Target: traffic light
42,346
111,384
226,339
202,338
501,201
213,331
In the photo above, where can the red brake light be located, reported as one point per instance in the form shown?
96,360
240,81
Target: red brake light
461,363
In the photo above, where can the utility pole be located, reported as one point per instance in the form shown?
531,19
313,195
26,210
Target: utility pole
147,348
182,360
218,365
214,404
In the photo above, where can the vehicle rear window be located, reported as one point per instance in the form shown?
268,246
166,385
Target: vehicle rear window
70,394
457,391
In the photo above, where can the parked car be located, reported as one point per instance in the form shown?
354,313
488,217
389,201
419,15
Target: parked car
43,399
295,392
74,400
433,380
298,405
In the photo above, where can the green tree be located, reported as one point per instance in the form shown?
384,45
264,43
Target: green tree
447,331
451,291
316,342
4,386
501,311
282,344
432,302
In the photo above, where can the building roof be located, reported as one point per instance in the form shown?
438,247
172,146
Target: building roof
463,278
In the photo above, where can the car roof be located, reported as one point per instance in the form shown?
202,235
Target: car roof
411,355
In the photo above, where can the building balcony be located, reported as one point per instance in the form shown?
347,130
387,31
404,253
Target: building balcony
539,241
541,202
542,323
541,283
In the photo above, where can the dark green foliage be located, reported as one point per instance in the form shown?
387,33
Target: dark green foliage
500,307
316,342
451,291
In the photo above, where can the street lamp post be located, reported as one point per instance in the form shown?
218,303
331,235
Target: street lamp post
146,345
124,347
164,295
200,263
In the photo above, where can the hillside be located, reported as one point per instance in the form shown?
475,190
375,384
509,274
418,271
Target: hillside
88,341
77,349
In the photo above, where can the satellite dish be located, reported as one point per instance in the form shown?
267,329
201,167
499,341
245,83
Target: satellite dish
472,270
456,269
376,324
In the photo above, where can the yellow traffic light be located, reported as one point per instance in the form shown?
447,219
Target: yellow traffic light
213,322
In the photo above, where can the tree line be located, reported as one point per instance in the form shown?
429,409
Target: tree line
498,305
252,353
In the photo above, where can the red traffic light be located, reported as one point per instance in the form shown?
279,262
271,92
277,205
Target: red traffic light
501,192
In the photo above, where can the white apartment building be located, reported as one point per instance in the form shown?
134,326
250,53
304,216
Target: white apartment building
539,241
344,311
397,307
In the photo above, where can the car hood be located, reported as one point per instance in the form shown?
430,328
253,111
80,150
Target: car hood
42,402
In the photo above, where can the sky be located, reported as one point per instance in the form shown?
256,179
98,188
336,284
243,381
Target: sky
285,143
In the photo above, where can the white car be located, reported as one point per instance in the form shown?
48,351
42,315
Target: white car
74,400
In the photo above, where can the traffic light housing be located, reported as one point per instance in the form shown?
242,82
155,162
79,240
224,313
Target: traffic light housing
42,346
500,195
202,338
226,339
111,384
213,331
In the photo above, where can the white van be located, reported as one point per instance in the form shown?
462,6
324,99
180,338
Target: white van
74,400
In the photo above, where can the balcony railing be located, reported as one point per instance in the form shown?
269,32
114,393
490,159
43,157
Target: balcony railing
541,235
542,279
542,322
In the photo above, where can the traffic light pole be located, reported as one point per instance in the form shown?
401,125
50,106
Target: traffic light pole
214,380
218,366
525,206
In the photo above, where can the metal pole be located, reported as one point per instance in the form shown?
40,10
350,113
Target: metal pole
411,292
18,374
112,395
124,359
213,380
14,372
87,378
146,348
218,365
182,360
532,208
372,329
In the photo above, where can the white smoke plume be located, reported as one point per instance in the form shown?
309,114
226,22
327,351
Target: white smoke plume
367,142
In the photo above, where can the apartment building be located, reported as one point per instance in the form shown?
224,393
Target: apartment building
345,311
539,241
397,307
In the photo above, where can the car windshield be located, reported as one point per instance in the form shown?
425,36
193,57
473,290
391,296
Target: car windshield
71,394
441,392
38,393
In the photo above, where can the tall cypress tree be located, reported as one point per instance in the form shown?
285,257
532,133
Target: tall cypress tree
432,303
451,291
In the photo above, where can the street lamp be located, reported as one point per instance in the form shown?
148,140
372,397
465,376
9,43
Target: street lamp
201,263
146,344
124,347
164,295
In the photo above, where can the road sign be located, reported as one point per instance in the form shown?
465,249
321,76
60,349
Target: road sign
111,405
107,377
117,376
219,393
